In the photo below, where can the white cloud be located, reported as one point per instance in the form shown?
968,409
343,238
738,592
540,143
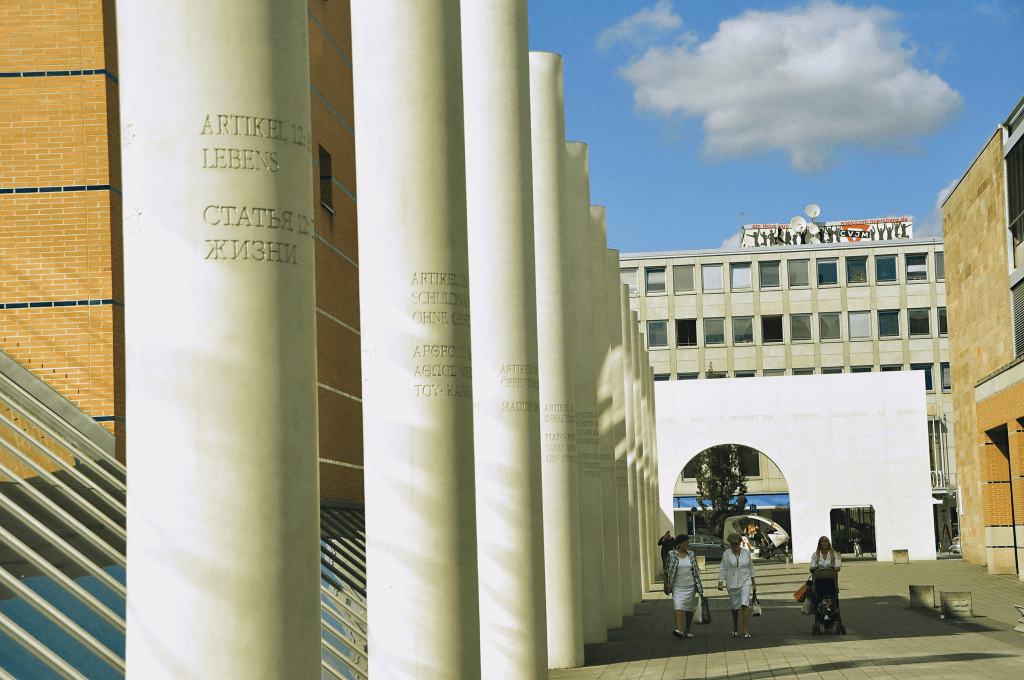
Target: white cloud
806,81
931,225
731,243
636,27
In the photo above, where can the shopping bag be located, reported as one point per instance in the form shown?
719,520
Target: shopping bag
703,611
800,592
755,606
807,607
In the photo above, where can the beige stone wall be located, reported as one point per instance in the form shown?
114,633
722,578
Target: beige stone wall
978,302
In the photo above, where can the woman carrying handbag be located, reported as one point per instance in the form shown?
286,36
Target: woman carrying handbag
682,582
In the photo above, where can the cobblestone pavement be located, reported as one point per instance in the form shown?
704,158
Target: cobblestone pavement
885,637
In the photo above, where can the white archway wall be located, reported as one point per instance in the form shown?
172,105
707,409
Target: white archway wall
841,441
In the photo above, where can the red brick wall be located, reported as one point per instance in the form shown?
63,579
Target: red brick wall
337,255
58,247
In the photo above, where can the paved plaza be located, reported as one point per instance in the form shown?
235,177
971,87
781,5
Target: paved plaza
885,637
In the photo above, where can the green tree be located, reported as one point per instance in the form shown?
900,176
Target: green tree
719,478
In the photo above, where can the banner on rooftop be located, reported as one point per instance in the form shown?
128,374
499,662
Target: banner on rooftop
849,231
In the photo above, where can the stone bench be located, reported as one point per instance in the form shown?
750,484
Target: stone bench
901,557
956,604
922,597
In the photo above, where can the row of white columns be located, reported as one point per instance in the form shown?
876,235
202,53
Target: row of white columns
508,418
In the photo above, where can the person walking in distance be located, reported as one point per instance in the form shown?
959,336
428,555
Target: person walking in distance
667,543
737,574
682,582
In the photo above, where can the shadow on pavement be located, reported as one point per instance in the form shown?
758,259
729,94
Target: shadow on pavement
881,663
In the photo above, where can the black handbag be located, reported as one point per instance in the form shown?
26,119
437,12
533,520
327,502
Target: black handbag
705,611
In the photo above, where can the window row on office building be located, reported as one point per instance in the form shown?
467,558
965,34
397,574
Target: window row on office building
797,273
772,328
944,382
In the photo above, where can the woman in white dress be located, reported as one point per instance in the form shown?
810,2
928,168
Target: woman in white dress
737,574
682,582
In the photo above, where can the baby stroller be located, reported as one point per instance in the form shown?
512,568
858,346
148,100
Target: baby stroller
826,602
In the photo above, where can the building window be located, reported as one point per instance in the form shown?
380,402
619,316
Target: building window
750,460
927,370
831,370
655,280
662,377
1017,304
947,382
686,332
771,329
769,274
682,278
714,331
326,181
657,334
799,327
856,270
889,323
918,321
742,330
860,325
773,372
711,277
885,268
828,272
716,374
1017,296
860,369
940,266
1015,200
687,376
891,367
803,371
740,276
628,277
829,326
942,321
746,374
917,267
799,273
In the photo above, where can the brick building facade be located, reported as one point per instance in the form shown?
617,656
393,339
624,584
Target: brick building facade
62,308
981,221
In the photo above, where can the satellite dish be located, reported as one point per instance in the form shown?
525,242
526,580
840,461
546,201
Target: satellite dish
798,223
812,211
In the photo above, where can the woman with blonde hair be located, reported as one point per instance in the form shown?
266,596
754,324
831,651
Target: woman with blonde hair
737,574
825,557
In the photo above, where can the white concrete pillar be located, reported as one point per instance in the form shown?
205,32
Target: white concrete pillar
555,357
417,377
664,524
633,528
653,526
506,421
587,440
641,461
223,518
605,424
617,375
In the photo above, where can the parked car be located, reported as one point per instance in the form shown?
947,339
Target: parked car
708,546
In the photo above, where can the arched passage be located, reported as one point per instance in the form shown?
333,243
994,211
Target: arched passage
849,440
767,491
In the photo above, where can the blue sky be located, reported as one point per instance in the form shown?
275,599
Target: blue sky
697,111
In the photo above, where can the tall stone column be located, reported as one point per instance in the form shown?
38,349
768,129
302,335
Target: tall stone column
605,416
650,452
641,460
555,358
587,441
417,377
616,375
655,490
221,342
506,422
628,331
650,528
